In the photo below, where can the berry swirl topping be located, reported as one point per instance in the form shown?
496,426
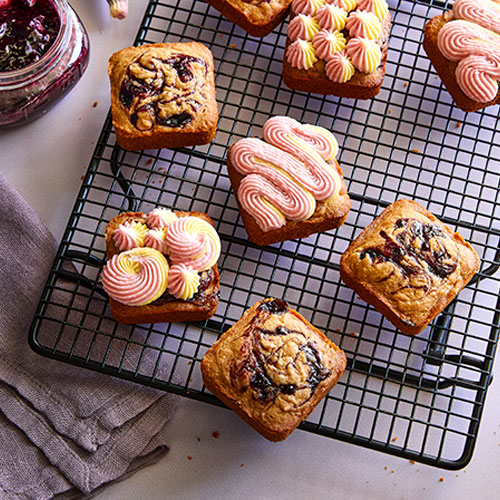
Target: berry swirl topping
301,54
284,176
378,7
183,281
307,7
331,17
478,52
361,23
129,235
136,277
163,92
160,218
327,42
155,238
482,12
302,26
365,54
194,242
339,68
347,5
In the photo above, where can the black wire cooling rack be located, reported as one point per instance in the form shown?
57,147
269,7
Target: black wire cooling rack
416,397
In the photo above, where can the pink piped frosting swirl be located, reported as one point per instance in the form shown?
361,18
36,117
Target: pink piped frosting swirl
347,5
477,51
378,7
160,218
303,27
136,277
183,281
484,13
287,174
331,17
365,54
194,242
155,238
307,7
339,68
364,24
301,54
129,235
327,42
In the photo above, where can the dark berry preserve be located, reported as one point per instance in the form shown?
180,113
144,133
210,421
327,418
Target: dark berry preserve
27,30
43,53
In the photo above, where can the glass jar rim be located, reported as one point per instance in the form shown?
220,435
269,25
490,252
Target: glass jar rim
26,72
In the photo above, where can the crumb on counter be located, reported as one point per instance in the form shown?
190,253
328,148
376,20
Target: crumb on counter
459,124
215,434
394,439
441,479
415,150
190,458
94,104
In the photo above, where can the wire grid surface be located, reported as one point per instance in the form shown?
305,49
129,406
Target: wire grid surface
417,397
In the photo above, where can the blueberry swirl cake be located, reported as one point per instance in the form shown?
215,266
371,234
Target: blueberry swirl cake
408,265
272,368
163,96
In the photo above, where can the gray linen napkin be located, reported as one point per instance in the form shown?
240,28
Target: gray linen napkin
65,432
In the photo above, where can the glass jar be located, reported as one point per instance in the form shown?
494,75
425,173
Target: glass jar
28,92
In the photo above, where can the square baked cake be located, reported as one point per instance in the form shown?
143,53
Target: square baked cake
272,368
408,265
163,95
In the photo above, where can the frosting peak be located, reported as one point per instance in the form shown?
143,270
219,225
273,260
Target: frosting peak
327,42
378,7
308,7
129,235
302,26
364,24
347,5
339,68
301,54
331,17
365,54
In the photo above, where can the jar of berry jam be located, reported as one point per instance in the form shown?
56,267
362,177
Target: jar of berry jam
43,53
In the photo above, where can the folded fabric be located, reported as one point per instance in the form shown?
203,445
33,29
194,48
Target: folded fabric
65,431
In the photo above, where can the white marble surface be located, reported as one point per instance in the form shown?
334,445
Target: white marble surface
45,161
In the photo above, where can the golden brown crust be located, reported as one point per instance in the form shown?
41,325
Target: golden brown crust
272,368
446,68
408,265
256,18
360,86
152,134
328,215
160,311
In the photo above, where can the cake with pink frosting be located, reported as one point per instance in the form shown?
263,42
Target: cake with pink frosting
288,185
161,267
337,47
463,44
